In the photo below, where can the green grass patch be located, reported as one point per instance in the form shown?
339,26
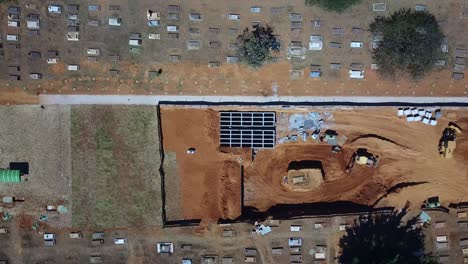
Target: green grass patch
333,5
115,165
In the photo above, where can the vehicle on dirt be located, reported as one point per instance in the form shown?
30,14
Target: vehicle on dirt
234,17
120,241
73,67
97,242
295,241
98,235
95,259
154,36
54,9
195,16
356,74
315,71
73,8
432,202
135,42
48,236
250,252
356,44
255,9
12,23
73,36
165,248
49,243
115,21
316,42
73,17
296,228
32,22
172,28
154,23
76,235
93,8
250,259
35,76
151,15
13,10
94,22
447,142
191,151
12,37
52,61
295,249
94,52
187,261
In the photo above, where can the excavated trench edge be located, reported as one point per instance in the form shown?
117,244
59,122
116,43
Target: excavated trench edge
161,166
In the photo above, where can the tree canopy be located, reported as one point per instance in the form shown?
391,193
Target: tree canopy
411,42
333,5
255,46
384,239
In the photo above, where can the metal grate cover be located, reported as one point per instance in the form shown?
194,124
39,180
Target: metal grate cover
248,129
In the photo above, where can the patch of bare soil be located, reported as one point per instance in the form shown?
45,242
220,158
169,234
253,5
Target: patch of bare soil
210,180
408,154
302,180
17,96
263,187
409,167
25,221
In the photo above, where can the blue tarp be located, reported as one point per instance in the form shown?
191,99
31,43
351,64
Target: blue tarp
153,23
314,74
263,230
424,217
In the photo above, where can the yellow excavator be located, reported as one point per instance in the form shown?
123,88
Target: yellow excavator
362,157
447,142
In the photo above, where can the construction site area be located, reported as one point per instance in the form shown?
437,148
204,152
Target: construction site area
219,160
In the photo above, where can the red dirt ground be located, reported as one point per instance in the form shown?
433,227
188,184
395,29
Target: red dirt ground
240,80
408,154
17,96
210,181
412,158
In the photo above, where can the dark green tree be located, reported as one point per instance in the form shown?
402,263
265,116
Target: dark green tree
384,239
411,42
333,5
255,46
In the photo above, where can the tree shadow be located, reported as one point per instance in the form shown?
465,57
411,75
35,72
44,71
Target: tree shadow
384,239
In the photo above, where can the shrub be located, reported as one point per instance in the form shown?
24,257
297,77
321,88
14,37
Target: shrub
333,5
411,42
255,46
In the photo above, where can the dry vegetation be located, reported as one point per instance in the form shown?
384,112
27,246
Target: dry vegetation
115,167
